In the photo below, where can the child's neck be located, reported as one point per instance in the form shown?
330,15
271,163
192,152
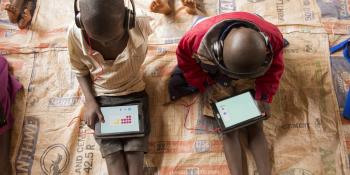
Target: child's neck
112,51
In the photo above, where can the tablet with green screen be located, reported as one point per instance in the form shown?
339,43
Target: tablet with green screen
237,111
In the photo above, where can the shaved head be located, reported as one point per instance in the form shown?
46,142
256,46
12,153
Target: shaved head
103,20
244,50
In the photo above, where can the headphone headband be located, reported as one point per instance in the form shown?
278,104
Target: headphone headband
217,49
129,21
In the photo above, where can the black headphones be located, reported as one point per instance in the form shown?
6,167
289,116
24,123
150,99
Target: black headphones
129,21
217,49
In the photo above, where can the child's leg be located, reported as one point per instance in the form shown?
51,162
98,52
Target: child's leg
112,151
134,151
13,10
159,6
233,152
135,162
116,163
258,145
4,153
191,6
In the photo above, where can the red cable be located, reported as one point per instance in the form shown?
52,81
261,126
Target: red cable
188,108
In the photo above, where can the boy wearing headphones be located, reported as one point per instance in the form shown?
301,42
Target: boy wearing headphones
107,46
224,51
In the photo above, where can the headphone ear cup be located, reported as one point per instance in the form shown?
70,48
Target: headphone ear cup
269,57
132,19
267,61
215,49
129,20
78,21
219,51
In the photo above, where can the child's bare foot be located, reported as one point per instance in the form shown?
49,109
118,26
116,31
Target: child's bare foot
191,6
12,12
158,6
24,21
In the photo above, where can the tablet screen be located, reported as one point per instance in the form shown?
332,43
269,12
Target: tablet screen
237,109
120,119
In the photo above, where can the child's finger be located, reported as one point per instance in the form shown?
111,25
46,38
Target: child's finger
88,122
100,117
91,122
85,118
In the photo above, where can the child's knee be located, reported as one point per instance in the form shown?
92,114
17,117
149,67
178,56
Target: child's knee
233,135
135,154
114,157
255,129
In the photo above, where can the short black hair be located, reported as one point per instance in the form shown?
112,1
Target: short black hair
102,16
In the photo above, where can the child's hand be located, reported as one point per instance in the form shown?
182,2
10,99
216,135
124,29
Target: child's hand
265,108
92,110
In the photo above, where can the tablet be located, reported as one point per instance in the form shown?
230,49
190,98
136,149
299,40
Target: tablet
237,111
121,122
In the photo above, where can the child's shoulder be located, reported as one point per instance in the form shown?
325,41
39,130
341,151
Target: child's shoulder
72,31
143,23
74,35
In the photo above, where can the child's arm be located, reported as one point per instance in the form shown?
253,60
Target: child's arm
193,72
267,85
92,108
